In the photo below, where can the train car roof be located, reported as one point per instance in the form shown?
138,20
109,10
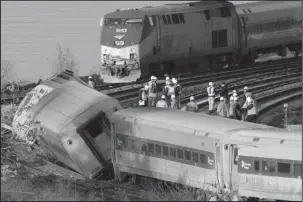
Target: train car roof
196,121
58,108
167,8
266,10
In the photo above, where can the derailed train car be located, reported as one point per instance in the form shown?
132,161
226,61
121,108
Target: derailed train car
173,38
208,152
75,122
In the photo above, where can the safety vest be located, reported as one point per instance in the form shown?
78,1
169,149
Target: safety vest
210,91
170,90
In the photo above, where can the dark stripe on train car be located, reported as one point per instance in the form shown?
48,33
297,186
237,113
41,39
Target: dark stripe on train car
166,151
275,167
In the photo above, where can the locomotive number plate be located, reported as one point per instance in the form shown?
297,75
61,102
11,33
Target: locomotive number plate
119,43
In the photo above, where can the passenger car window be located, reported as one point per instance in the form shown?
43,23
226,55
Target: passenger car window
165,150
268,166
150,147
298,169
158,149
173,152
168,19
164,19
203,158
283,167
195,157
257,165
187,155
180,154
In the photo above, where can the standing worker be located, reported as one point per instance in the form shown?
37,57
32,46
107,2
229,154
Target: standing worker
252,110
167,81
191,106
224,91
162,102
222,108
152,91
244,106
236,112
231,111
169,90
211,96
178,92
91,83
143,95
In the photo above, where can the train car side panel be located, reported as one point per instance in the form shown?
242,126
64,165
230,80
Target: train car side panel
270,177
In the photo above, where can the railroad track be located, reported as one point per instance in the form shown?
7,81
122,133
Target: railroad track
186,80
130,98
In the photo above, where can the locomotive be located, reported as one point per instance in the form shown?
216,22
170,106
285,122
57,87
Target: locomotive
187,37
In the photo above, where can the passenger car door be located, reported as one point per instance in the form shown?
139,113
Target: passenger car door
234,166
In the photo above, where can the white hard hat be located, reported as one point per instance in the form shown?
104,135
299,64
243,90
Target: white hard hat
245,88
234,91
89,77
192,98
152,77
235,98
232,98
167,78
221,98
235,94
163,97
174,80
249,99
210,83
173,96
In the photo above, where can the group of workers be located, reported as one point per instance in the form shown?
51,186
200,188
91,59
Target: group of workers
170,97
242,107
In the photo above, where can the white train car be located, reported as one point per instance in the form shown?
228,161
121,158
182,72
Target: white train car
187,148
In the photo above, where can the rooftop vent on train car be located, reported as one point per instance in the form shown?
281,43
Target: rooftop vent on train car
282,141
118,10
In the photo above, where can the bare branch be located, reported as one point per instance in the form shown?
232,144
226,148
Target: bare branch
65,60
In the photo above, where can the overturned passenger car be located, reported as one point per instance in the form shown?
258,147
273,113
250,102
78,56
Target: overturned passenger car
75,122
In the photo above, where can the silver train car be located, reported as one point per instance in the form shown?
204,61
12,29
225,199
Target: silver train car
75,120
208,152
186,37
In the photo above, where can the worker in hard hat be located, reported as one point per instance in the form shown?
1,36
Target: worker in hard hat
167,81
222,108
178,92
168,91
244,106
252,110
191,106
234,94
143,96
211,96
91,83
162,102
235,109
152,91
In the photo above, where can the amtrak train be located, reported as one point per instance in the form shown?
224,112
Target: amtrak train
91,134
204,35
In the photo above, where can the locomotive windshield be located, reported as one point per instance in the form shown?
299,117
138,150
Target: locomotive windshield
113,21
133,21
